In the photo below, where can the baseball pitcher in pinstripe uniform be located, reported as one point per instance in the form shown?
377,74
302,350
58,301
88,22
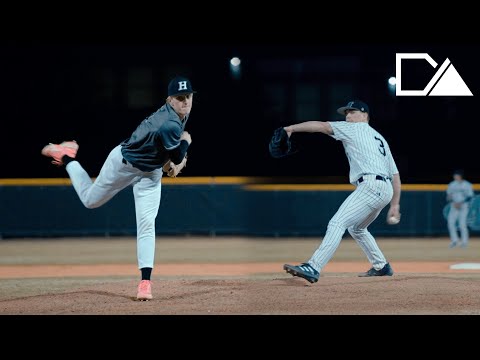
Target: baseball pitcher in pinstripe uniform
377,180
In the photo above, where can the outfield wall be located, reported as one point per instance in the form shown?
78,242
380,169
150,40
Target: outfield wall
207,206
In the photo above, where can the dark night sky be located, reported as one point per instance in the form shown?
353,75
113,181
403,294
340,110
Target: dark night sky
47,89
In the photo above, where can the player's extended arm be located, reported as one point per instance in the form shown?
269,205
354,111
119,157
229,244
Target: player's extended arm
395,202
310,126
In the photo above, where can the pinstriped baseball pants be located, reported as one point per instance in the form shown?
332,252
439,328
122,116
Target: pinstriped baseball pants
356,213
459,215
114,177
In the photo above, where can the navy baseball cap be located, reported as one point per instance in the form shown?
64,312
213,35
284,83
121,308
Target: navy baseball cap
180,85
354,105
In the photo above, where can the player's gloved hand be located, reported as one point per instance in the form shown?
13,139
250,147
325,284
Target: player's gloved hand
173,169
281,144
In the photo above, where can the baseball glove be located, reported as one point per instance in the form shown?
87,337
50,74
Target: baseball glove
281,145
173,169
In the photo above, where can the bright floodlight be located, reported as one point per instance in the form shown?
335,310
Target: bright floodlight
235,68
392,85
235,61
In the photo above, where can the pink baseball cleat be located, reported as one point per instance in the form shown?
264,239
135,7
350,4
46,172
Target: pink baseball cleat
56,152
145,290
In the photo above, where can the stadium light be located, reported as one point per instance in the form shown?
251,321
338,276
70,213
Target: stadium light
235,68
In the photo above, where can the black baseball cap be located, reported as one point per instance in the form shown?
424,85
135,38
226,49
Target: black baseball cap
354,105
180,85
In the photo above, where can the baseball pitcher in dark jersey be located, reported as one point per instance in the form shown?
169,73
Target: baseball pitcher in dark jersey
137,161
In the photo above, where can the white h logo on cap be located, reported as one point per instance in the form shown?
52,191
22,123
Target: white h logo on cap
182,85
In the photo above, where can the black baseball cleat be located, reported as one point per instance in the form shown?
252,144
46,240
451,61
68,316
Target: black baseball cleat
303,270
385,271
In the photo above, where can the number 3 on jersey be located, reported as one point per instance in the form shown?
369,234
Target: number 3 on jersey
381,147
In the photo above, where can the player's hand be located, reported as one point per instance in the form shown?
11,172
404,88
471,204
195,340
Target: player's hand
289,130
173,169
186,136
394,215
457,205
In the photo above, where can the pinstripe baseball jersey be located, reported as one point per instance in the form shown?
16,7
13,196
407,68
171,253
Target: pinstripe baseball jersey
459,191
367,151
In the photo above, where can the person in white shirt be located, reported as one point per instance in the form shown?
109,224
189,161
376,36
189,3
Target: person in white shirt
459,194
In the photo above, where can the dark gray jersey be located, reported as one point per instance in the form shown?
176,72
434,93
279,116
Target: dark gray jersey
148,146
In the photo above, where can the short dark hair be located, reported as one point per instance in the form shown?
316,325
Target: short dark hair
458,172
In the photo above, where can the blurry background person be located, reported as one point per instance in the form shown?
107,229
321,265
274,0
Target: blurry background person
459,193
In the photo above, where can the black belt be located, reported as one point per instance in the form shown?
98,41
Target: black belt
377,177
